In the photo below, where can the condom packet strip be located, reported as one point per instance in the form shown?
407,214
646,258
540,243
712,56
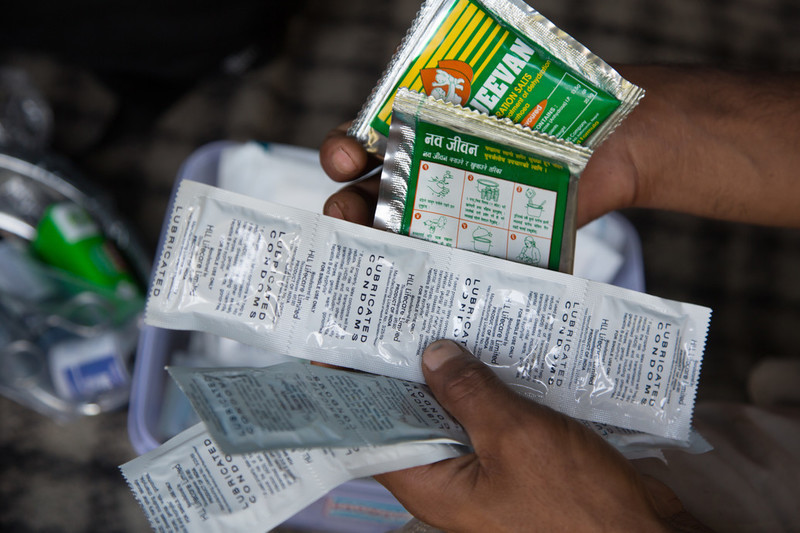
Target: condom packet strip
189,485
314,287
294,405
468,180
299,405
503,58
638,445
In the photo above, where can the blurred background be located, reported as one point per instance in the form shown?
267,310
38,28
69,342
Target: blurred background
136,87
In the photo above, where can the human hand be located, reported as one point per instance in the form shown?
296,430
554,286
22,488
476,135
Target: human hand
697,143
532,468
344,159
706,142
608,183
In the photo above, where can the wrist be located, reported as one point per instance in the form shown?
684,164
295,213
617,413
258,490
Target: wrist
651,138
713,143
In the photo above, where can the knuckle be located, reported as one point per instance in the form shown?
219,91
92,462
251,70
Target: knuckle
472,380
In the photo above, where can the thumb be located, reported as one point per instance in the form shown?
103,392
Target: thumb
471,392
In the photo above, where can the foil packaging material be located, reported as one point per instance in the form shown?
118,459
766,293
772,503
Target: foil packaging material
503,58
302,284
471,181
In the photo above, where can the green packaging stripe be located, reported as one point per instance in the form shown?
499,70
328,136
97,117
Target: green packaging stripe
501,58
502,202
466,180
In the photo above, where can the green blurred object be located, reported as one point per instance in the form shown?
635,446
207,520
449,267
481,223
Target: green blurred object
68,238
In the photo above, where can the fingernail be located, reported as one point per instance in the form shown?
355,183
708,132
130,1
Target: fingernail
343,162
332,209
439,352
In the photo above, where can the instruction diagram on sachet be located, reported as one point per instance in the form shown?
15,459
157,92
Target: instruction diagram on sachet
483,213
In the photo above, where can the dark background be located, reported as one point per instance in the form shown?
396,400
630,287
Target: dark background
136,87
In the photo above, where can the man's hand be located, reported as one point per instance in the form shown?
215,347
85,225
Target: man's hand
715,144
607,184
533,469
344,159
